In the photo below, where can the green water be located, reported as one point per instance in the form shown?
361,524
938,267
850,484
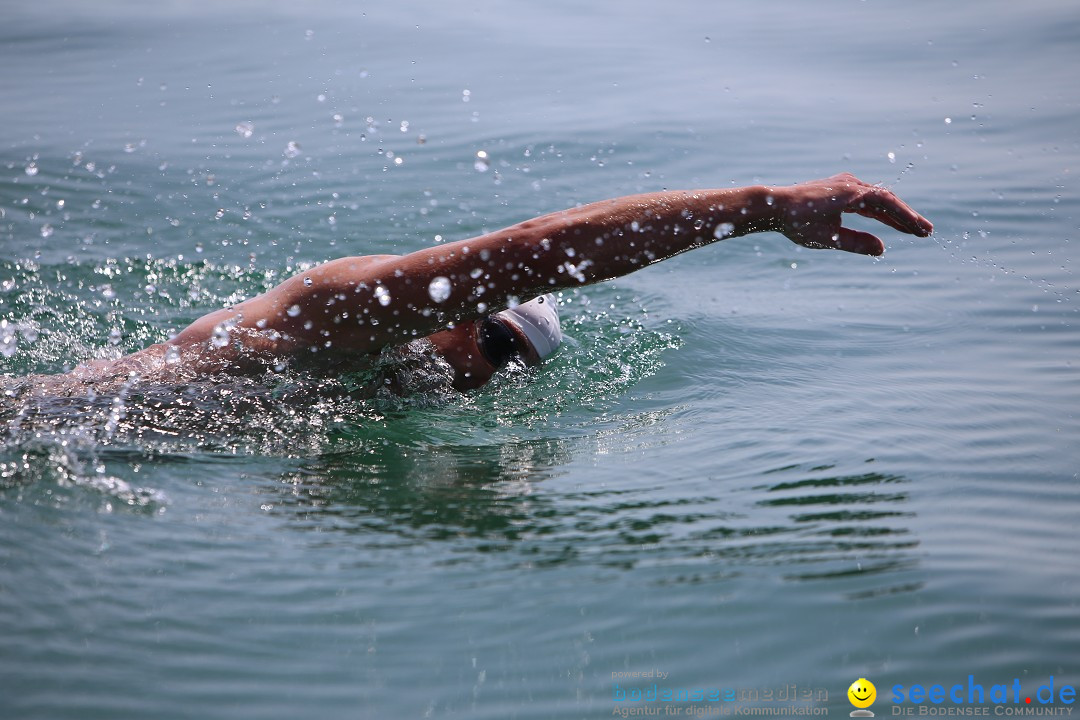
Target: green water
753,466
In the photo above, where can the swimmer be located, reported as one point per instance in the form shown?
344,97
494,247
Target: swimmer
485,301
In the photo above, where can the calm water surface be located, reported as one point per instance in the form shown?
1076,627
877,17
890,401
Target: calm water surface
752,466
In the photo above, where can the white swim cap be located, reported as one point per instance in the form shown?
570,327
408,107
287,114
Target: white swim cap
538,319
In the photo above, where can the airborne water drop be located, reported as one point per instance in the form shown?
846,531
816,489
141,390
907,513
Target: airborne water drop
439,289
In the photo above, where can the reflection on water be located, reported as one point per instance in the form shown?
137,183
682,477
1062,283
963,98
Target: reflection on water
851,525
499,500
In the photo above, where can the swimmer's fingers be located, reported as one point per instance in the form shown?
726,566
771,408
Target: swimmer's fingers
882,205
856,241
842,238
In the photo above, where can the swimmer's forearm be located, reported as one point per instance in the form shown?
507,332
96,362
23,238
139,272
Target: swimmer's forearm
612,238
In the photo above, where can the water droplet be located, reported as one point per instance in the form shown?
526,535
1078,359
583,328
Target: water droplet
107,292
172,355
475,273
770,200
382,295
130,147
948,121
339,119
245,129
292,150
307,282
439,289
31,170
724,230
635,226
482,161
46,230
466,95
293,311
220,337
115,336
891,156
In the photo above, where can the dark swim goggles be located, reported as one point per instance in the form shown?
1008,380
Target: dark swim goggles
498,343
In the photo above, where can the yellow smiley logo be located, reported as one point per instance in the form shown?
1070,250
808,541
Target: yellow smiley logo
862,693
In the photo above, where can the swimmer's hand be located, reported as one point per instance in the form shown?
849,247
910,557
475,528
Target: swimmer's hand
812,214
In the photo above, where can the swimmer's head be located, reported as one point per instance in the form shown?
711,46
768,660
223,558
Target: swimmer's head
537,328
529,332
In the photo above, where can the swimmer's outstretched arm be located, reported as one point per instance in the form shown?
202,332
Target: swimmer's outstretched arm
360,305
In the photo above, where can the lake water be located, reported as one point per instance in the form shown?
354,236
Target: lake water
753,466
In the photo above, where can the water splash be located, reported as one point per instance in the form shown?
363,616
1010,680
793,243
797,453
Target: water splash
220,336
60,469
